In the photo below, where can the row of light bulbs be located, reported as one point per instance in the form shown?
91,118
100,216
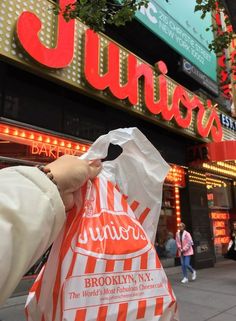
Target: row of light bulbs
34,136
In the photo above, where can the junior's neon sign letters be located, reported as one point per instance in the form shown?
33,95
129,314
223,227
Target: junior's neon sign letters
207,120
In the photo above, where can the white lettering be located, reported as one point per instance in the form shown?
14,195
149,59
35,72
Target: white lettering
107,231
148,12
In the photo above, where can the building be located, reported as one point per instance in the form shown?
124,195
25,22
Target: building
62,86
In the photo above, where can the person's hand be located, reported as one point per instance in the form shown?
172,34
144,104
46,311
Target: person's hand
71,173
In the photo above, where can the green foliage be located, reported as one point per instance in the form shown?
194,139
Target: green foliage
222,38
98,13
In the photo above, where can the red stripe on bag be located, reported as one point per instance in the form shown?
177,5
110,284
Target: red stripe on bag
72,264
118,189
127,264
26,313
144,261
124,203
90,265
171,294
158,263
70,230
102,313
56,291
143,216
36,287
43,318
141,309
176,307
134,205
110,196
96,184
110,264
80,315
122,312
159,306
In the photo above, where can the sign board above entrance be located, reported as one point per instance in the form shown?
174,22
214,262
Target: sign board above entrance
95,65
176,23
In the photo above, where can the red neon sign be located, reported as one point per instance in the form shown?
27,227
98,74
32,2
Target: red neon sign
207,120
219,216
42,143
52,151
222,240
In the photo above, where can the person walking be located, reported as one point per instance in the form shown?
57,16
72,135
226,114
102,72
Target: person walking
184,244
231,254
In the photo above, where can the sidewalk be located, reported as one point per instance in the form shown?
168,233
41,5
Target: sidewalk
211,297
13,309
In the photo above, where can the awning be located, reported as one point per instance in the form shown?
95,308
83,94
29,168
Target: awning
215,158
221,151
224,151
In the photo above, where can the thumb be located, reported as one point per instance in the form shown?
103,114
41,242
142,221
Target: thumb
95,167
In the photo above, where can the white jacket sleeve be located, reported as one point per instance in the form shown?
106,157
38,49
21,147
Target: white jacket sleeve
31,216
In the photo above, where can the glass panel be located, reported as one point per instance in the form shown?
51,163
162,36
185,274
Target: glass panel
218,192
165,243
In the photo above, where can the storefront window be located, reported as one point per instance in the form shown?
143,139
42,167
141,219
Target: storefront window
218,192
219,196
166,229
170,216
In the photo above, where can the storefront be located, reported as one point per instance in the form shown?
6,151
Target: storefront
213,175
57,99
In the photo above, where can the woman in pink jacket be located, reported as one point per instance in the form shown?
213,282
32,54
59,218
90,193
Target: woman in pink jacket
184,244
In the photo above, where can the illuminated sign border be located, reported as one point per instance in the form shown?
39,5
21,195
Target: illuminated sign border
42,143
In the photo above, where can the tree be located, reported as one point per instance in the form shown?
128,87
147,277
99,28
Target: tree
223,36
99,13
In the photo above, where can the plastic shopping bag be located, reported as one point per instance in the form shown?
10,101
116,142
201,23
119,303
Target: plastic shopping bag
103,266
139,172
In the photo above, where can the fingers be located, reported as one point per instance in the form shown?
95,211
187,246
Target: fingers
95,167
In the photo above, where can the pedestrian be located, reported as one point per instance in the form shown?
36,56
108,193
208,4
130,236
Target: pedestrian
170,245
185,250
231,253
33,205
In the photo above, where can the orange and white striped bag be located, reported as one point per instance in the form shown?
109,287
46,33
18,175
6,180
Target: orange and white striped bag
103,266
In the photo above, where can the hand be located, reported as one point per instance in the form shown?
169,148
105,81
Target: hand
71,173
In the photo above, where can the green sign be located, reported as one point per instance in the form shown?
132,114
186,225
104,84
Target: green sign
176,23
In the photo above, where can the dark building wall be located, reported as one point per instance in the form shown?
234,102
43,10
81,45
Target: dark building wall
36,101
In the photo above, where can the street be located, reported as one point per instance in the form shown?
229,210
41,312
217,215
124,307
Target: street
211,297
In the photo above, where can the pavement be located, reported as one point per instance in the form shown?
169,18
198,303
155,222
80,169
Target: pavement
212,296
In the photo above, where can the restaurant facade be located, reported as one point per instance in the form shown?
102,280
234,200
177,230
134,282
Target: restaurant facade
63,85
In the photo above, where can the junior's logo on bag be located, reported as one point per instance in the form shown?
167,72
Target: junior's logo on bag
111,235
